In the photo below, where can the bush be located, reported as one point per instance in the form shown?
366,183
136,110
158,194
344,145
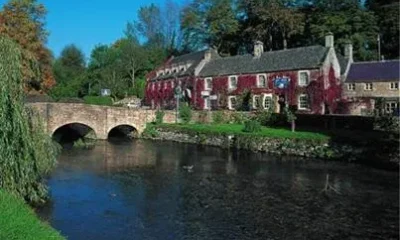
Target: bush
159,116
98,100
239,118
252,126
218,117
150,131
185,113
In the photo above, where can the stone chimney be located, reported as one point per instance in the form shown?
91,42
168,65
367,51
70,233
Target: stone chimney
329,42
258,49
348,51
208,54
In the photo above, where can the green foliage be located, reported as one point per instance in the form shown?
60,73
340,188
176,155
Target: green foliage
239,118
150,131
252,126
98,100
185,113
18,221
218,117
159,116
84,143
27,153
139,88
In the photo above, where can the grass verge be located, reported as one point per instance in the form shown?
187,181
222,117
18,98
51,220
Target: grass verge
237,129
19,222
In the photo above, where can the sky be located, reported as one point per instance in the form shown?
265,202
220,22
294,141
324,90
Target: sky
87,23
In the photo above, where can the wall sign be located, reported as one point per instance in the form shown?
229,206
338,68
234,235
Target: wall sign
281,82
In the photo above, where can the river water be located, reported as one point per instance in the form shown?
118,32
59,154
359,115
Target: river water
143,190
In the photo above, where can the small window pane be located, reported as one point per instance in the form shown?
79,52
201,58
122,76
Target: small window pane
267,102
232,102
262,81
303,102
233,82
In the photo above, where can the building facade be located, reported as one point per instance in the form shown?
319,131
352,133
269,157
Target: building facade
308,79
370,84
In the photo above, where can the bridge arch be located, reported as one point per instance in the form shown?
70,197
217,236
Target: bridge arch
72,131
126,131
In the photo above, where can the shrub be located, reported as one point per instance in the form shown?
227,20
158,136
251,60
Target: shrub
98,100
252,126
160,116
150,131
239,118
218,117
185,113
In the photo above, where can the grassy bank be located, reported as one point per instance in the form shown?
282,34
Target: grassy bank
237,129
18,221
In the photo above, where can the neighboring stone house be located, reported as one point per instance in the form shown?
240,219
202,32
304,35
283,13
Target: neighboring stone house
306,78
369,81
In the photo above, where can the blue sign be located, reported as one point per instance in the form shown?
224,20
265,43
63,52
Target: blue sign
281,82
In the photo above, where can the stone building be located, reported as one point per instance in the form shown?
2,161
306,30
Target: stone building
306,78
367,82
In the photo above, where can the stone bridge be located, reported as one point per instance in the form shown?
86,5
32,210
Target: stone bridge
101,119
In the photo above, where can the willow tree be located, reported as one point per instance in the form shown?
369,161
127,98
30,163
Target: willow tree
27,153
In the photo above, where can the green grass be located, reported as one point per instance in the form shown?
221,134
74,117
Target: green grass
19,222
98,100
236,129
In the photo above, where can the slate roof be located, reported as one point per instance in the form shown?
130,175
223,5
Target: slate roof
374,71
194,58
343,62
289,59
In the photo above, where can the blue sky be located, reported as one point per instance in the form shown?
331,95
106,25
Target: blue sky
87,23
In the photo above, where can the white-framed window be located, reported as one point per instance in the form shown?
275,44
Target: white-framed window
304,78
303,102
167,72
391,107
232,102
368,87
394,86
267,101
262,80
207,103
175,70
208,83
256,101
351,86
182,69
232,83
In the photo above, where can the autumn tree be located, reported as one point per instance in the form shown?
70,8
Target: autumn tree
24,22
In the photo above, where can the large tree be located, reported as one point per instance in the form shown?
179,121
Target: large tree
70,64
24,22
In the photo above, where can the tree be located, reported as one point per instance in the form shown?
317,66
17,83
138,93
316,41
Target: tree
70,64
209,23
27,153
23,21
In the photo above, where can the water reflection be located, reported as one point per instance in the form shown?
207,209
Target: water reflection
141,190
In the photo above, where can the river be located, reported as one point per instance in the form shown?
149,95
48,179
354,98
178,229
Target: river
163,190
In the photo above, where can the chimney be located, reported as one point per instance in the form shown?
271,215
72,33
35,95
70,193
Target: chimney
348,51
258,49
329,42
208,54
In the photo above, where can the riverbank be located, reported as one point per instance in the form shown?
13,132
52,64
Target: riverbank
19,222
277,141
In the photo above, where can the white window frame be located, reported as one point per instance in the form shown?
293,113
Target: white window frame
368,84
392,86
182,68
167,71
254,101
207,103
230,102
388,103
206,87
263,101
258,81
299,78
298,102
352,88
230,82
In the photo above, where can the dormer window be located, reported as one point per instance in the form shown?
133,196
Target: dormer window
232,83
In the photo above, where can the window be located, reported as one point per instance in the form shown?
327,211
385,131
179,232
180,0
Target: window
391,107
167,72
256,101
303,102
351,86
262,80
394,86
207,103
304,78
232,102
267,104
208,84
183,69
232,82
368,86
